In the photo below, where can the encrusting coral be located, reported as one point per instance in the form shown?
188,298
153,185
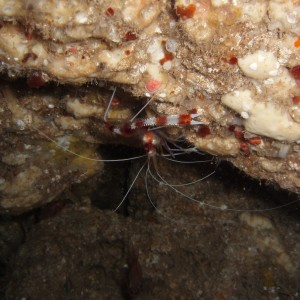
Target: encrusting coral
235,63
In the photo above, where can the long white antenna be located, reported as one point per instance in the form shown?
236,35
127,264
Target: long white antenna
184,184
219,207
109,104
82,156
133,182
147,103
156,208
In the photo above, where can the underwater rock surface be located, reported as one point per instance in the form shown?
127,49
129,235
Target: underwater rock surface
87,253
34,170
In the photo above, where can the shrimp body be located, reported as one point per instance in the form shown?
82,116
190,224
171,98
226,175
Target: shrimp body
151,138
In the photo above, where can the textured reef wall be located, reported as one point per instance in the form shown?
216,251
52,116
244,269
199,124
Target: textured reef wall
236,63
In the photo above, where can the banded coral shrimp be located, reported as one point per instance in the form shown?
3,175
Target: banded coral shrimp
155,139
48,121
56,124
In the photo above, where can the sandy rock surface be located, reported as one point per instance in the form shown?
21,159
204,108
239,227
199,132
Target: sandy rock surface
83,252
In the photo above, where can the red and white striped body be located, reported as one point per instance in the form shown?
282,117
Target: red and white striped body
164,120
150,139
170,120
